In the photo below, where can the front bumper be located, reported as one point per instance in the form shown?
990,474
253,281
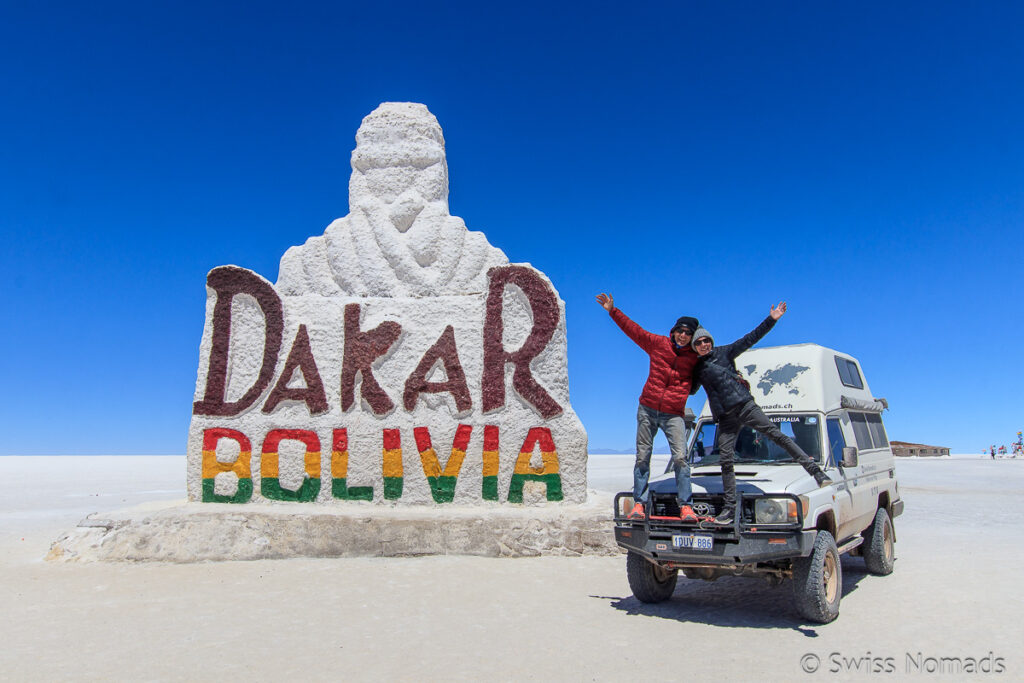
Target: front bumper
729,548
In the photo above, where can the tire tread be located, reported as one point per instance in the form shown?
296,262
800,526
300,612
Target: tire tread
808,592
644,583
874,545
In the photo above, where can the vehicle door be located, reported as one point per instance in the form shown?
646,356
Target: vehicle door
876,468
869,458
846,482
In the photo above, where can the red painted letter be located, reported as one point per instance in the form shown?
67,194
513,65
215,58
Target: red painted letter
228,281
301,357
361,349
443,349
544,305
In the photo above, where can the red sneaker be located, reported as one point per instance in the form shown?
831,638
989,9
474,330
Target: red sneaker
637,512
687,514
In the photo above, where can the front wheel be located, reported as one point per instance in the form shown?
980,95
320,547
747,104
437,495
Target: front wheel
879,553
648,581
818,581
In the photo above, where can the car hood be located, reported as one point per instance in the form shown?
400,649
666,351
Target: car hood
750,478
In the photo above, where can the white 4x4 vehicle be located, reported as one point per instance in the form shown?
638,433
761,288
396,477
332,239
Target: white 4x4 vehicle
786,527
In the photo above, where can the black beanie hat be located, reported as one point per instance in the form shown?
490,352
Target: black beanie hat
686,321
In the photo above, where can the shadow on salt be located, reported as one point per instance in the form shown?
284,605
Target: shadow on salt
735,602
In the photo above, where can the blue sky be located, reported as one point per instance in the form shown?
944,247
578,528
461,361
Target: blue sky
863,162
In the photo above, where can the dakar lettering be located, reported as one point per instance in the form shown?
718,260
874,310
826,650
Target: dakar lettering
363,347
441,480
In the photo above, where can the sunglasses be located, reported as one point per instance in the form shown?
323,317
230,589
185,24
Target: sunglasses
702,342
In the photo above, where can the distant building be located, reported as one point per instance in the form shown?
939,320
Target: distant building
902,448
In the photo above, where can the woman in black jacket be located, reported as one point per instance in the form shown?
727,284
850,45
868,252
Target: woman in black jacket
733,407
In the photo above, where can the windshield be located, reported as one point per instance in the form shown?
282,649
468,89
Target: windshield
752,446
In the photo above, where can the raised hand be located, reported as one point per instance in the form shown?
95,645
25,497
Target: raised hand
778,311
606,301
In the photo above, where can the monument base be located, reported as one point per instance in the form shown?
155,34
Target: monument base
205,532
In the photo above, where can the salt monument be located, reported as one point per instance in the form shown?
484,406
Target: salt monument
400,359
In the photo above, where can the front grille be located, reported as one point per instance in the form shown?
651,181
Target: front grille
668,506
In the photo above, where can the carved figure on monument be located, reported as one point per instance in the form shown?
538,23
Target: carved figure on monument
399,238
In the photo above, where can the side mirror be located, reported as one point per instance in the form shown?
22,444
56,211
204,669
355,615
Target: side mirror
850,456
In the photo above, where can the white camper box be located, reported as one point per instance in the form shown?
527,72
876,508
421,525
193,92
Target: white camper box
808,378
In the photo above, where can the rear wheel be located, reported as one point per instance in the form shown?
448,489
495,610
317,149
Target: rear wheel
648,581
818,581
879,540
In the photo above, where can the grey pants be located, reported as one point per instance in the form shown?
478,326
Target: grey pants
648,422
749,415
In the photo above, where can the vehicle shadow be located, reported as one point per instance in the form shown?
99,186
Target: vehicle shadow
736,601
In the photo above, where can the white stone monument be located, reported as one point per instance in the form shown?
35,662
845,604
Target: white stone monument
400,358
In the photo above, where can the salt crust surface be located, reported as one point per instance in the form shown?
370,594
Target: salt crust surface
959,549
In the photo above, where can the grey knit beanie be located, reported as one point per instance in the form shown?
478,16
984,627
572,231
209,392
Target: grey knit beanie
701,333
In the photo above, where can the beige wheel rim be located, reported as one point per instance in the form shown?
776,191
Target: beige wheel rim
830,578
662,574
887,540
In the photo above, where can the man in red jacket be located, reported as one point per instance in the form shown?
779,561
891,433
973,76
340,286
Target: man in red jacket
662,402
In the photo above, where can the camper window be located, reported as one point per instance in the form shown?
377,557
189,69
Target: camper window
877,430
861,431
848,373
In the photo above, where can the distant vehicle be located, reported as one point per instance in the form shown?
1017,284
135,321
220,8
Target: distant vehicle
786,528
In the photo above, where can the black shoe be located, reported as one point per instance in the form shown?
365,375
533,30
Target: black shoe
724,518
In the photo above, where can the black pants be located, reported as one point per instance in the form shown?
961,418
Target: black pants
749,415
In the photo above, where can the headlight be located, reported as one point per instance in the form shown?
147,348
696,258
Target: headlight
775,511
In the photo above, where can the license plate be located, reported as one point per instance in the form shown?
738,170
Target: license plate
693,541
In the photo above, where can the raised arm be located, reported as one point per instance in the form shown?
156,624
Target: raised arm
755,335
639,335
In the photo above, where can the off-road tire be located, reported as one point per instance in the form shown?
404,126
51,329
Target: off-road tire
649,582
879,539
818,581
